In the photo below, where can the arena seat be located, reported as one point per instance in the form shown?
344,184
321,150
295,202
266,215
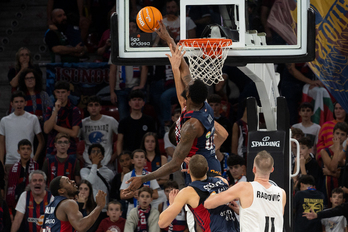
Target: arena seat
111,111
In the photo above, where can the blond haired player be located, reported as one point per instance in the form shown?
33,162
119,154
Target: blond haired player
262,204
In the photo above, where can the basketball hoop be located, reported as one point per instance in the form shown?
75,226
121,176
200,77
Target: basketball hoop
206,58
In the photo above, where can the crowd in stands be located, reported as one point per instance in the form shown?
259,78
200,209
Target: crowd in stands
41,139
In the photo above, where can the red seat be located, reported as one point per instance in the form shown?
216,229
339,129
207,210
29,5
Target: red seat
111,111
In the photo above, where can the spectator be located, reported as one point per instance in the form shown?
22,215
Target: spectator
331,172
154,159
271,36
30,83
104,46
86,202
23,60
306,200
114,222
326,130
123,80
99,175
62,118
15,127
62,164
172,22
169,147
309,128
85,198
144,217
337,223
214,101
179,223
61,43
200,16
308,164
5,218
240,135
125,160
294,77
31,205
132,128
19,174
139,162
237,169
74,11
99,128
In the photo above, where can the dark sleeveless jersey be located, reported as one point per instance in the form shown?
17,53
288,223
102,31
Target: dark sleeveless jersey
34,212
203,145
220,219
51,222
56,168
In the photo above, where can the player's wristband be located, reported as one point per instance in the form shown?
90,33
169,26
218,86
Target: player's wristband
343,150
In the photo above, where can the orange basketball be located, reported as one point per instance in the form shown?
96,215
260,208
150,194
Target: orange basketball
147,19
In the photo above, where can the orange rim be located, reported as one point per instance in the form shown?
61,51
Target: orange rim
206,42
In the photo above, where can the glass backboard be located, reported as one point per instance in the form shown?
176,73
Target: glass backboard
261,32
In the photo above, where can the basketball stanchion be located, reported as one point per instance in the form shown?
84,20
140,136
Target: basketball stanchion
206,58
147,19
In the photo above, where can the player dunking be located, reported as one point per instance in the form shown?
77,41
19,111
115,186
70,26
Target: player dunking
222,218
196,128
262,204
62,214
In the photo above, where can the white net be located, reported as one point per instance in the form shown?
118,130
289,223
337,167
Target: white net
207,58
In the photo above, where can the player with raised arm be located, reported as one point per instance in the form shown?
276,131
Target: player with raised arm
195,130
221,218
261,203
63,213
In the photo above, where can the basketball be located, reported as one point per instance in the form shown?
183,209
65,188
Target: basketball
147,19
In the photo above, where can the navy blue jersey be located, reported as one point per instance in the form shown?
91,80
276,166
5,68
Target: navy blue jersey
220,219
203,145
51,222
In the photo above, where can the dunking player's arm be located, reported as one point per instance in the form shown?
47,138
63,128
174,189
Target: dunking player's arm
68,210
189,132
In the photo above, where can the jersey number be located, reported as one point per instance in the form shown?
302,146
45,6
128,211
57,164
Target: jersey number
267,224
209,144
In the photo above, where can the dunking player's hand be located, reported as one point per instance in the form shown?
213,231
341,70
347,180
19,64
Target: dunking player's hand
135,183
163,33
100,198
177,55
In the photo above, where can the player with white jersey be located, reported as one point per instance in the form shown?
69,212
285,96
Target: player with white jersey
261,203
266,210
